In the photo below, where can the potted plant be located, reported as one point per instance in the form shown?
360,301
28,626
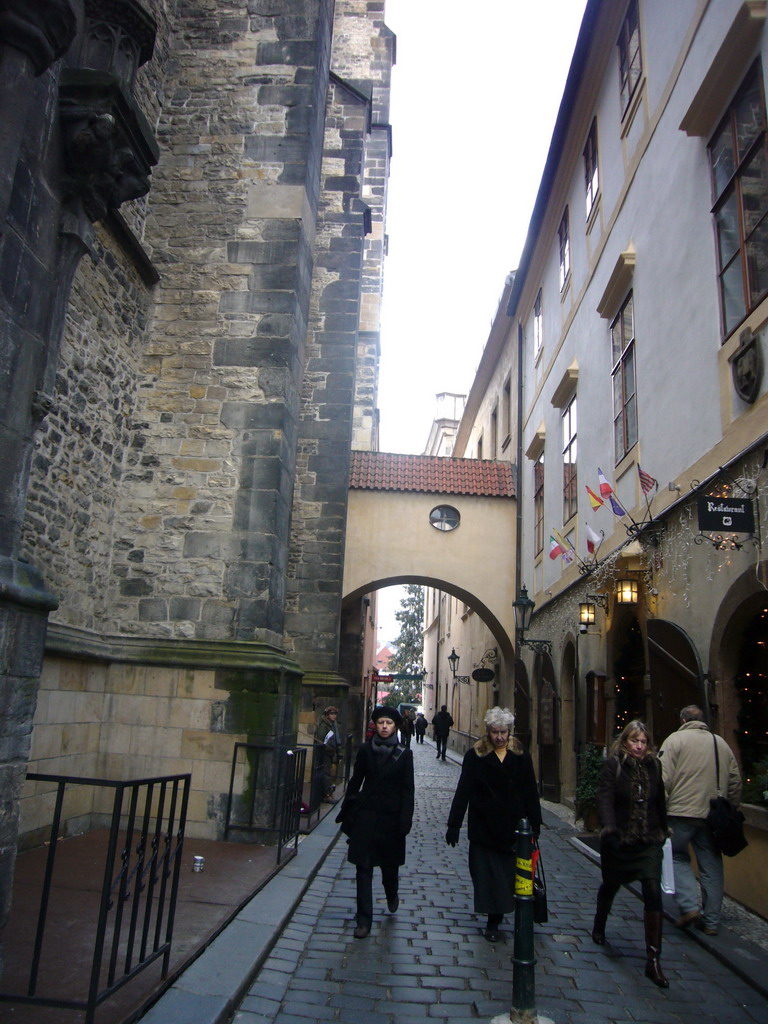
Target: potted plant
585,798
756,784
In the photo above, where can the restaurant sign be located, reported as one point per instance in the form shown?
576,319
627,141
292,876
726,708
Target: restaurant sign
726,515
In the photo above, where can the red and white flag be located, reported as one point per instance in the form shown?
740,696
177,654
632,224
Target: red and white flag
605,488
594,540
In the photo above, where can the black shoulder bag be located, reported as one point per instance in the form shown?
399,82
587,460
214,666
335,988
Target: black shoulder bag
726,822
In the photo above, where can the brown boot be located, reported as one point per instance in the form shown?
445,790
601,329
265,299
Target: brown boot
602,910
653,920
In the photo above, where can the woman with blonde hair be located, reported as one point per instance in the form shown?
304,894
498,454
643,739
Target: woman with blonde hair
632,811
498,785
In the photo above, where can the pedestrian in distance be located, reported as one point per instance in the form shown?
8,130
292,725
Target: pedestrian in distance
420,727
633,818
441,726
406,730
498,786
377,813
328,748
690,779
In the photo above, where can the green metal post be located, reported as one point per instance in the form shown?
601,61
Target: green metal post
524,961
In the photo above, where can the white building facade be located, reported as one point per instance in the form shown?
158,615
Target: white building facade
628,362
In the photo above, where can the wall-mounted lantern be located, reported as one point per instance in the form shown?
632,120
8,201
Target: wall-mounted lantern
626,591
523,608
453,661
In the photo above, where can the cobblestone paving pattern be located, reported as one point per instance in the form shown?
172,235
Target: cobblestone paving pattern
431,961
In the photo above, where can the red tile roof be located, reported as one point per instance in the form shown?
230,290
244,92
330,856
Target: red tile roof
433,474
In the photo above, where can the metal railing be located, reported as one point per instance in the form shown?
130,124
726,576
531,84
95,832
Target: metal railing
280,773
348,747
317,775
137,905
316,782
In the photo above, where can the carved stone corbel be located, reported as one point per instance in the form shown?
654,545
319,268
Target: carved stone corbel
109,146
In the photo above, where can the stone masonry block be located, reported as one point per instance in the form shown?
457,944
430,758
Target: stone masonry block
257,302
199,683
252,416
153,610
253,352
126,678
297,52
199,745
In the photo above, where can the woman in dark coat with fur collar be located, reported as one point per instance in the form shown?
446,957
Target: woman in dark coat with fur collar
632,810
377,814
499,786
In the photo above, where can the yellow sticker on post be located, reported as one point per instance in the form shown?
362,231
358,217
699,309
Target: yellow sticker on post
523,877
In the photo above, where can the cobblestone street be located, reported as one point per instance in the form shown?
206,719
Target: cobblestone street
430,959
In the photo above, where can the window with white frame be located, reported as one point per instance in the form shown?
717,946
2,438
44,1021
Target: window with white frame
538,326
570,498
591,172
624,383
739,166
630,57
506,412
538,505
564,246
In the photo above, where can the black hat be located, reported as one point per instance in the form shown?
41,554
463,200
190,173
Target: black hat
384,711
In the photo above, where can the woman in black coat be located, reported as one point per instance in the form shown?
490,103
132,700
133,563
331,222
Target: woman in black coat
632,811
498,785
377,814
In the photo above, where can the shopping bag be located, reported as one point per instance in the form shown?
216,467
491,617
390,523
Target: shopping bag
667,869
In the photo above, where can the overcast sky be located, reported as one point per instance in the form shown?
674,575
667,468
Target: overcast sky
475,94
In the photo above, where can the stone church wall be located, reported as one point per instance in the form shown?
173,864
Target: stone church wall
207,388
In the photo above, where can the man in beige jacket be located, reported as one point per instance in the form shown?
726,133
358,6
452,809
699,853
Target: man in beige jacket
688,767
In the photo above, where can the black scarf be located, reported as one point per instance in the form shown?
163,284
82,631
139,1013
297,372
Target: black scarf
382,749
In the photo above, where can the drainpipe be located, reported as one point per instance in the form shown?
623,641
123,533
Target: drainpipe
519,480
519,506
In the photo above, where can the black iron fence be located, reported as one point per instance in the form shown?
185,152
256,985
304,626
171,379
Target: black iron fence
137,904
271,804
348,746
316,753
311,806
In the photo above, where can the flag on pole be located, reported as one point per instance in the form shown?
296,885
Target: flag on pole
647,482
568,556
594,501
561,540
616,507
605,488
554,548
594,540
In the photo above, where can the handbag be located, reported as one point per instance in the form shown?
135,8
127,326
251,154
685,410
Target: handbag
540,911
726,822
347,816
